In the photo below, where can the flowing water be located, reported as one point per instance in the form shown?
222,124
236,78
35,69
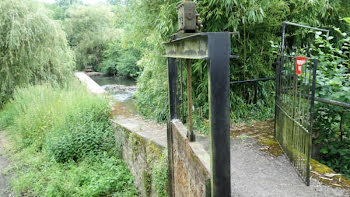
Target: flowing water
121,89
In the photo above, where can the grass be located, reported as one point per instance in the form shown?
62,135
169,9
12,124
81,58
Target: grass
63,144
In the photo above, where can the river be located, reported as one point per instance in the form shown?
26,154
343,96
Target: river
121,89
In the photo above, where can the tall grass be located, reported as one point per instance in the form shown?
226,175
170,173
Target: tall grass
64,143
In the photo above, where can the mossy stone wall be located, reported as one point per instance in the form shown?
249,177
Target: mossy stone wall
147,162
191,165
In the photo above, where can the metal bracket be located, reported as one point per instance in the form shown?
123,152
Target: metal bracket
191,46
214,47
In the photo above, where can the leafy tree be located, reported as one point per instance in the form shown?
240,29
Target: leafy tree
121,61
114,2
67,3
57,12
33,48
89,30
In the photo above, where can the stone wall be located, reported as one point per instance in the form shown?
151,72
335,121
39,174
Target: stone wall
143,146
191,165
146,159
144,150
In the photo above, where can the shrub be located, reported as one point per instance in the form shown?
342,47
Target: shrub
85,132
333,82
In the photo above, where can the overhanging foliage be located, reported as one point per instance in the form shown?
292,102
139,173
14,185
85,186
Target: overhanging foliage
33,48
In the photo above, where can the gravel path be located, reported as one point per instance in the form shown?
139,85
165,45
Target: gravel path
4,186
257,173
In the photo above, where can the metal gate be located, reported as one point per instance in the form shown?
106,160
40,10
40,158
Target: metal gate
295,95
294,106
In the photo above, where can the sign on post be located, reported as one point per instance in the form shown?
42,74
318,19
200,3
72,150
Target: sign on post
300,61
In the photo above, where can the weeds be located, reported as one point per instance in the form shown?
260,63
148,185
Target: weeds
64,144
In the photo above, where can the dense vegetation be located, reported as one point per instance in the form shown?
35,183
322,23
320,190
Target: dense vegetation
61,142
333,82
64,143
259,25
89,30
63,135
97,36
33,47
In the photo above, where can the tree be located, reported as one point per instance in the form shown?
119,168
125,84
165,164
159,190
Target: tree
113,2
89,30
64,3
33,47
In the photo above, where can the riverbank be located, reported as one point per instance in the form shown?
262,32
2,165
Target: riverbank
63,144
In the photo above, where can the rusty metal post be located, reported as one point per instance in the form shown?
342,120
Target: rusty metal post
190,134
182,92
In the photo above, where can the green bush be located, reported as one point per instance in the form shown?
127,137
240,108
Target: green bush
91,133
64,143
94,176
335,152
333,82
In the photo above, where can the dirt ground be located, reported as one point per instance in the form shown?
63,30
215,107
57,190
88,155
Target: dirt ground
4,163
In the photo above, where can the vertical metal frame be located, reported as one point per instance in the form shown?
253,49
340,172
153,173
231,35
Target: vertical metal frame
219,113
172,83
312,103
172,74
214,47
278,74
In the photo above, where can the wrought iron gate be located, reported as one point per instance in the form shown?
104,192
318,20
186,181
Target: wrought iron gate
294,106
295,95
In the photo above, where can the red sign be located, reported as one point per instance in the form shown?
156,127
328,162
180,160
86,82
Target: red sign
300,61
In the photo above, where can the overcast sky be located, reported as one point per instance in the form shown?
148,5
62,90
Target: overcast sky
85,1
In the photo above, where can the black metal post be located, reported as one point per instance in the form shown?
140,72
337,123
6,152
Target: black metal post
278,76
190,133
312,102
172,75
255,93
219,101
